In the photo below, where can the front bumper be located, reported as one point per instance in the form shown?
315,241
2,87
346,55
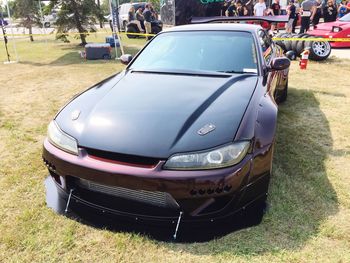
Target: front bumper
202,196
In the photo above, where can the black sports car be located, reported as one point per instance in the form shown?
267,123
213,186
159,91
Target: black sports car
183,135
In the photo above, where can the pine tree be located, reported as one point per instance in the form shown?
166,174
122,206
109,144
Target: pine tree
80,15
28,12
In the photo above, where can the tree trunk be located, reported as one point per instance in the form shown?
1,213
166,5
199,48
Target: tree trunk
29,26
31,33
78,24
99,7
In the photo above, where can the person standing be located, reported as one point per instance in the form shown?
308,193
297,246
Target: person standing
276,10
260,8
241,10
318,13
249,6
147,15
291,11
307,14
330,12
342,10
297,15
231,10
224,7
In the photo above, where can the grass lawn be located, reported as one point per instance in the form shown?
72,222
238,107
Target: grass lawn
309,203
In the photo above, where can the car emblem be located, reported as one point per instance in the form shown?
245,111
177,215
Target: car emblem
206,129
75,115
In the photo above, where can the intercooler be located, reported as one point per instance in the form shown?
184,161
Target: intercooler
155,198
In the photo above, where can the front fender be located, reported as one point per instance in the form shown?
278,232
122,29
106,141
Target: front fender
266,122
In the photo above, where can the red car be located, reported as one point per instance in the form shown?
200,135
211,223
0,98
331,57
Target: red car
336,29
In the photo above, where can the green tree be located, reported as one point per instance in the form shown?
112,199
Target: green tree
105,7
80,15
156,5
28,12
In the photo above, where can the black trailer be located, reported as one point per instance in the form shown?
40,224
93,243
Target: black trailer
180,12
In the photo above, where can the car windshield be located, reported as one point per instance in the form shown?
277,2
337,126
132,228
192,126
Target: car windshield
219,51
345,18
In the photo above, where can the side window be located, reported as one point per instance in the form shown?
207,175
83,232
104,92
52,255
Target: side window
266,46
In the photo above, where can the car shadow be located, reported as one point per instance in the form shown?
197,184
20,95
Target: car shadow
300,195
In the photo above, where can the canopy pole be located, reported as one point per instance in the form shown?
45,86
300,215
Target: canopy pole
115,30
10,23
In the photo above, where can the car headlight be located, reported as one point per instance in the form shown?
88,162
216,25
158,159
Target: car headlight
215,158
336,29
61,140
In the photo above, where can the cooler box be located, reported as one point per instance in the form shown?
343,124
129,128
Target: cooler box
110,40
98,51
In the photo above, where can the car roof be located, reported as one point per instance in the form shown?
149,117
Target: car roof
216,26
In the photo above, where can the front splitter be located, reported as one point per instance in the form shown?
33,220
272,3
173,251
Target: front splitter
162,229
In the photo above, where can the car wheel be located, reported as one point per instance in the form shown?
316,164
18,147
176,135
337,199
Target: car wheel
131,29
47,24
319,50
106,56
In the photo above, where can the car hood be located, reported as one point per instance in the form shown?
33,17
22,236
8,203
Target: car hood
330,25
157,115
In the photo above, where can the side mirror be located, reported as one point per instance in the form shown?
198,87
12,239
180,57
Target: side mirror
280,63
125,59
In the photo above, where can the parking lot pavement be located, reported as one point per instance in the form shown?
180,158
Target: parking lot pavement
341,52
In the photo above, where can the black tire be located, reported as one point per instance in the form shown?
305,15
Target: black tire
319,50
156,29
106,56
295,43
288,43
301,45
278,42
282,43
47,24
132,29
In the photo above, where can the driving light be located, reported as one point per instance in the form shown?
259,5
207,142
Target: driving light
336,29
60,139
216,158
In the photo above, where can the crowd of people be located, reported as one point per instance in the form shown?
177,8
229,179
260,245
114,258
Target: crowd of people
143,17
309,11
